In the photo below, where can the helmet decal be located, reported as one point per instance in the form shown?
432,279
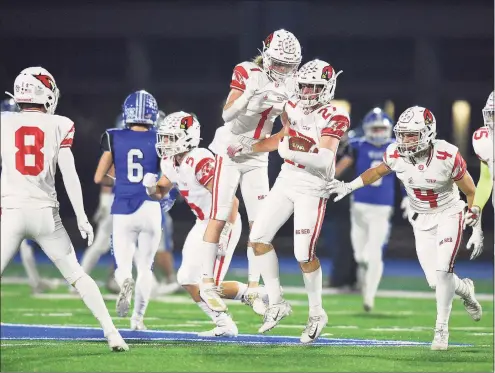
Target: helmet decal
46,81
186,122
428,117
327,72
268,40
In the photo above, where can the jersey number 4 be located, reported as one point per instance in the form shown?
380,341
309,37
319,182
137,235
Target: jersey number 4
134,168
430,196
29,159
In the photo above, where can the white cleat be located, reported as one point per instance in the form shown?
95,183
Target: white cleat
440,340
211,296
314,328
124,298
116,342
257,299
471,305
226,327
274,314
137,324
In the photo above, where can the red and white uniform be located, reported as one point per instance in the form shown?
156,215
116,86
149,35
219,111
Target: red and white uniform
483,147
31,141
437,210
191,177
30,144
255,123
300,190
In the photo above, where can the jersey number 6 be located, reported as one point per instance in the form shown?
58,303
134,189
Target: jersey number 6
134,169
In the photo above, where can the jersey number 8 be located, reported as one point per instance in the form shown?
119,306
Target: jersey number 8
134,169
29,159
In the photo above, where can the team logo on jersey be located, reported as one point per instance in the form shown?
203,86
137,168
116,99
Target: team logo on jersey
186,122
327,73
268,40
46,81
428,116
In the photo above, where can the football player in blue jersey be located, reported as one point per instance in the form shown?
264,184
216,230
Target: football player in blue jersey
137,226
371,206
37,284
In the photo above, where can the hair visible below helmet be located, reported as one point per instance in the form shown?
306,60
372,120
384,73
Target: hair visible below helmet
488,112
140,108
377,127
417,122
281,55
320,79
35,85
178,133
9,105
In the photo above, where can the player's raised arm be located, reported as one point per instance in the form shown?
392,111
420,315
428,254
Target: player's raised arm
72,185
157,190
242,89
103,173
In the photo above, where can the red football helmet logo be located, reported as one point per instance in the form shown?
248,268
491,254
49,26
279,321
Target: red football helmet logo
428,117
327,72
186,122
268,40
46,81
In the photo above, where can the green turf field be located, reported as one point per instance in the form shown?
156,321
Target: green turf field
396,318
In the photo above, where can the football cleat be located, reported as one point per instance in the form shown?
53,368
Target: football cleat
124,298
273,315
137,324
440,340
225,327
209,293
313,328
116,342
471,305
257,299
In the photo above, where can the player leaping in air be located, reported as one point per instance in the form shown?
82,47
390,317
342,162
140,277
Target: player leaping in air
432,172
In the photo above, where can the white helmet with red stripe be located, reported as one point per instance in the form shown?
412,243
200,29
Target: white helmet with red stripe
281,55
316,83
35,85
178,133
488,112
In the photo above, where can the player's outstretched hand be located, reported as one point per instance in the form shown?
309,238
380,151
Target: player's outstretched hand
340,188
241,146
405,206
472,217
149,182
475,242
86,229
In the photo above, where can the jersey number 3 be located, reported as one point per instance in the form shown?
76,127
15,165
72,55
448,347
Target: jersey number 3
29,159
134,169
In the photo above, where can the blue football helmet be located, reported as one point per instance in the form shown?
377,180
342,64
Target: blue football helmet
140,108
377,127
9,105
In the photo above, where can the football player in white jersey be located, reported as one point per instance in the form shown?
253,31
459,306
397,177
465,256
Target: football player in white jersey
257,96
191,168
310,140
483,147
432,172
34,141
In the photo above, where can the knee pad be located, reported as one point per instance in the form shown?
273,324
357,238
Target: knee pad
185,276
260,248
70,268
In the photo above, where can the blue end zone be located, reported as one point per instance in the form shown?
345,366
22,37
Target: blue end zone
73,333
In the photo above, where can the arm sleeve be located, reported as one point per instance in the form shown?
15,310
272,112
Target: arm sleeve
484,186
72,184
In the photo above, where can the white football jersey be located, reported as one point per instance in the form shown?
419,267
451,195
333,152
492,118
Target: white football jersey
256,122
430,183
31,141
191,176
483,147
328,120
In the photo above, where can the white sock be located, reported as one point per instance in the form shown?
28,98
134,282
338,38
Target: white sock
209,253
213,315
361,277
142,293
313,282
445,291
29,264
461,289
268,266
372,280
91,296
253,270
243,288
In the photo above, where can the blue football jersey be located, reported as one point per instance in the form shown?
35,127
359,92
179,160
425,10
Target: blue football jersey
366,155
134,155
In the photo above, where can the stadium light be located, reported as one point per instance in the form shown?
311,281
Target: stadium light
461,115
